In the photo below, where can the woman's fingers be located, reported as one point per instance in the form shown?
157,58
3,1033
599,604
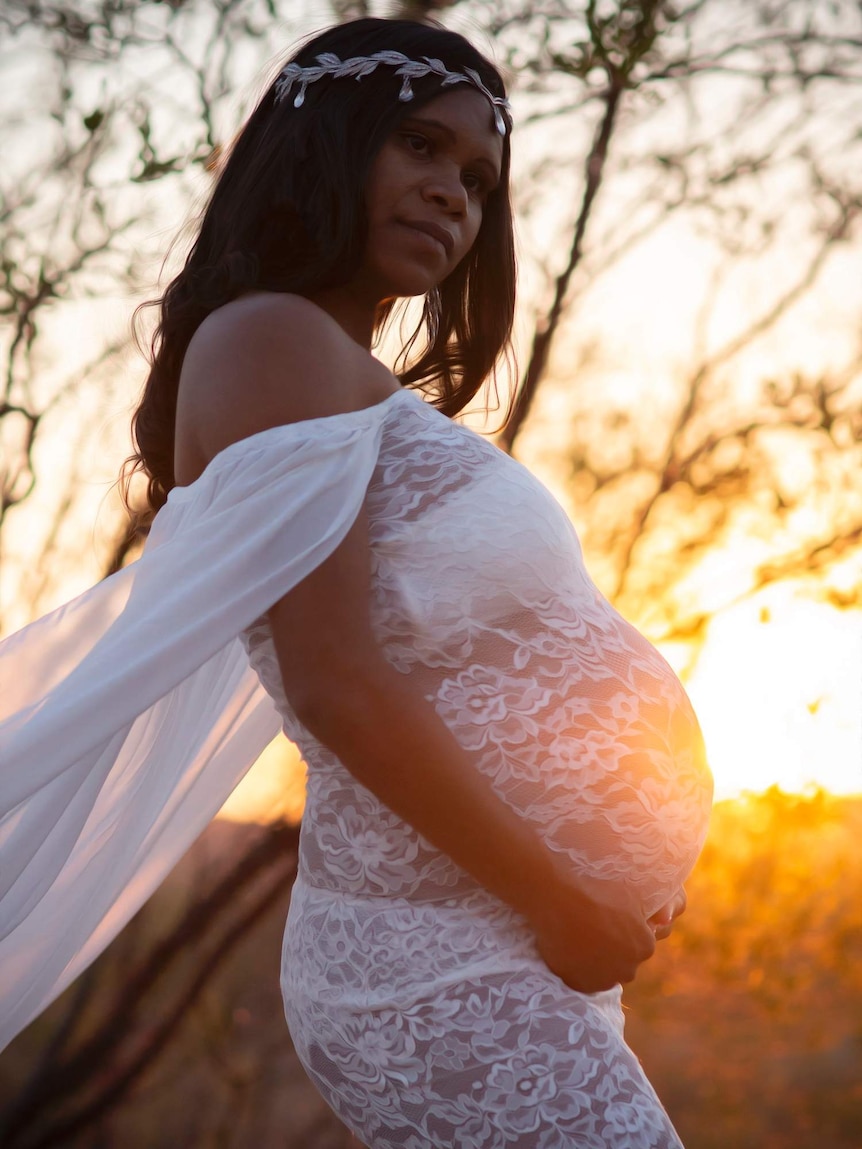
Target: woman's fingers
595,947
682,903
662,920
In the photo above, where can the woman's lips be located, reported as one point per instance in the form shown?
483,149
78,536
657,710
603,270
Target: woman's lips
434,232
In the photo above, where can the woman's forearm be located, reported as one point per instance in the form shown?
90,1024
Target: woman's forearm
393,742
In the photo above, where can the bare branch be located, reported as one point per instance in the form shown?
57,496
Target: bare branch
547,326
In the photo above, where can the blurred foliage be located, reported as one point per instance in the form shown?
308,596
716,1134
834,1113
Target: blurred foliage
749,1022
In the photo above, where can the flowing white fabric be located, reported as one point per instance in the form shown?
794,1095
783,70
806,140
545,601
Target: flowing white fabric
416,1000
129,715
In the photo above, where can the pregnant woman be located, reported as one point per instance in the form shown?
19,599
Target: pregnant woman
507,785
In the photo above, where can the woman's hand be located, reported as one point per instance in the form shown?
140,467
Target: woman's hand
593,947
662,920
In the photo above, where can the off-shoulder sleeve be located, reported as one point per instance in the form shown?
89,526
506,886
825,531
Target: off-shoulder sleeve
129,715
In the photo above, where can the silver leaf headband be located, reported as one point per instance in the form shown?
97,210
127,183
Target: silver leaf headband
359,66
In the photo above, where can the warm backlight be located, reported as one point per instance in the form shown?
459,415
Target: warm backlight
778,691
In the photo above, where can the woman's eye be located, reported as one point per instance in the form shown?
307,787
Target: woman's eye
415,142
476,185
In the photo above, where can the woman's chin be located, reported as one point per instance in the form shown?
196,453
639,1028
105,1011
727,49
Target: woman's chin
413,278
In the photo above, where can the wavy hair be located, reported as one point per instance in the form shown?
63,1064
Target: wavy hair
287,214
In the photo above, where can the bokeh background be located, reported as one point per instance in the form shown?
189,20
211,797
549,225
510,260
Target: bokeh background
688,185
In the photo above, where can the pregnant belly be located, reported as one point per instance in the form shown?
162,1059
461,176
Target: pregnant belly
615,778
610,768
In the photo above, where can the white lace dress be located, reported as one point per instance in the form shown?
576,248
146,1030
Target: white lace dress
417,1000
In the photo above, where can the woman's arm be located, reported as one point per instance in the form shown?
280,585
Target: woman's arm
278,359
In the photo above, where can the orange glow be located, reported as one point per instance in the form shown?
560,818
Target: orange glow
778,690
273,788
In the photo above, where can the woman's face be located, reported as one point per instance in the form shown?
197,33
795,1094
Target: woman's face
426,193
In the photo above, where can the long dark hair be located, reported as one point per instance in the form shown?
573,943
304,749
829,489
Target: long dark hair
287,214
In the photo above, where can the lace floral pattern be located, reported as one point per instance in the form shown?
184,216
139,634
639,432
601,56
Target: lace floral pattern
416,999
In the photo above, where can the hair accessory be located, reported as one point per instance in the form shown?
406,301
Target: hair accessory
359,66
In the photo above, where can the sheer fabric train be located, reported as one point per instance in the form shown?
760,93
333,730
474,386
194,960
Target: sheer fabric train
415,999
128,716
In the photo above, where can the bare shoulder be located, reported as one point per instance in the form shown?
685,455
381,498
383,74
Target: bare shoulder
262,361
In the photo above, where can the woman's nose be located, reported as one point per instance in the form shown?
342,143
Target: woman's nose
447,190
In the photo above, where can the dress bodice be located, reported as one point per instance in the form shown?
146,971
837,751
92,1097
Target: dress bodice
480,595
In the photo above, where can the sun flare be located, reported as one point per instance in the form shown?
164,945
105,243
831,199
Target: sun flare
778,691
